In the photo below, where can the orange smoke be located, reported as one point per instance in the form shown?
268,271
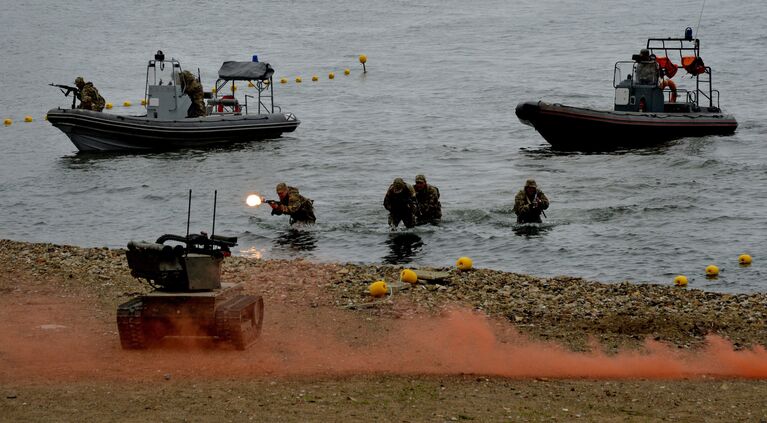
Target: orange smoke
322,341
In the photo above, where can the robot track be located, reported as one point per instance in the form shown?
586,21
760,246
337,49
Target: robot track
239,320
130,324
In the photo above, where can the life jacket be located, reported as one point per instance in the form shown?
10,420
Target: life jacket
668,68
693,65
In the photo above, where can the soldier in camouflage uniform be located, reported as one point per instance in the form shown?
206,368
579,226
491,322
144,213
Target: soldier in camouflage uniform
300,208
646,68
427,197
193,88
400,201
529,203
89,96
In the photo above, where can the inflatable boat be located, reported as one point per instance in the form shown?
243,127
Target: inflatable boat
649,109
165,125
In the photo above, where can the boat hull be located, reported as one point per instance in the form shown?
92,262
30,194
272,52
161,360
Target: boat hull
96,131
574,128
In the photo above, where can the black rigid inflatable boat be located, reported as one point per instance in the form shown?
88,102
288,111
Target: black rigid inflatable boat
646,110
165,125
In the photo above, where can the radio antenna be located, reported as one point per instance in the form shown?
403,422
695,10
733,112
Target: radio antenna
215,197
188,213
697,27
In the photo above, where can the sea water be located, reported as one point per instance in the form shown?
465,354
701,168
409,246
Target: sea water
443,79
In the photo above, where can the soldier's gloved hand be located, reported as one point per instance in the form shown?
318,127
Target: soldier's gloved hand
273,205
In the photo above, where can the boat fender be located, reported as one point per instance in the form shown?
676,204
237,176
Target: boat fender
672,87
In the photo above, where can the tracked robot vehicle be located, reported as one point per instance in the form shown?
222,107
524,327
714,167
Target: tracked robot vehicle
189,298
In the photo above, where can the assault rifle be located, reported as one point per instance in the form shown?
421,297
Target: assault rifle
69,89
536,204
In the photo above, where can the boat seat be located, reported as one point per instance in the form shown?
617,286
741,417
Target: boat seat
225,104
230,102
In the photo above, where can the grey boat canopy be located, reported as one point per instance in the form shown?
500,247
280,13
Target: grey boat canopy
245,71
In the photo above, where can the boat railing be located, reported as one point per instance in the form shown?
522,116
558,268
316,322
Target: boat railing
264,97
703,81
618,70
630,69
688,46
703,95
681,45
159,63
712,97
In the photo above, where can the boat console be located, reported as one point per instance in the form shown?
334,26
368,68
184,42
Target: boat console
165,102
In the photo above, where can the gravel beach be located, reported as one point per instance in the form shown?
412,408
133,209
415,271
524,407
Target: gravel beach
322,327
565,309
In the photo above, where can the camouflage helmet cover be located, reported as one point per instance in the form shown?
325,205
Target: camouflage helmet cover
79,81
531,183
187,77
398,185
420,178
281,187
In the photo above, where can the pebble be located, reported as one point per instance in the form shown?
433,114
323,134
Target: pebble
565,308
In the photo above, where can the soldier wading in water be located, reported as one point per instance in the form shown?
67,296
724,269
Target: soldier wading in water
529,203
300,208
427,198
400,202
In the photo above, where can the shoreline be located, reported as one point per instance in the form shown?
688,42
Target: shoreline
572,311
330,352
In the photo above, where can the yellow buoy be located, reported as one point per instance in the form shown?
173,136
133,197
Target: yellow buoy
331,75
234,87
108,105
266,82
409,276
378,289
213,90
283,80
464,263
7,122
298,80
315,78
712,271
127,103
363,59
28,118
45,117
744,259
250,85
347,71
143,102
680,280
